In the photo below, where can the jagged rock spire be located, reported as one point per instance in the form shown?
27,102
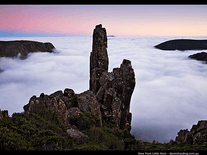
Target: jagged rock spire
98,58
109,95
113,90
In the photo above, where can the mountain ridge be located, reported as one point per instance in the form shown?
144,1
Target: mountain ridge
13,48
183,44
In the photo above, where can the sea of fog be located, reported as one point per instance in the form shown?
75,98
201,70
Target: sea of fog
170,91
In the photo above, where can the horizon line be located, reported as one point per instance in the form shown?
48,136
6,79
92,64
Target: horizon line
6,34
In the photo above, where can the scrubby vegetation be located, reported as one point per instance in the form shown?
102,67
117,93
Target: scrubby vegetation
84,121
106,137
74,101
45,130
33,132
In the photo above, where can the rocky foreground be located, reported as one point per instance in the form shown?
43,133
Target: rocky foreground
96,119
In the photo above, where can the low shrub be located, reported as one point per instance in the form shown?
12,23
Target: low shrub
34,131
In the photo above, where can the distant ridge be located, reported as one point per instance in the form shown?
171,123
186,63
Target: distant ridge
199,56
183,44
110,35
13,48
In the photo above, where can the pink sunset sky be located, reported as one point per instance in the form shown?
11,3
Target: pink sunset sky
131,20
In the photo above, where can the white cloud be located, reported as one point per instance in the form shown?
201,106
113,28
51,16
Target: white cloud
170,91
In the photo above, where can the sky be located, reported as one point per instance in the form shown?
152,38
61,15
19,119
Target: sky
128,20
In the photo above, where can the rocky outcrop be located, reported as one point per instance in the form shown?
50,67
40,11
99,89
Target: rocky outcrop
197,134
13,48
3,114
108,97
112,89
87,102
199,56
68,104
115,94
98,58
183,44
58,102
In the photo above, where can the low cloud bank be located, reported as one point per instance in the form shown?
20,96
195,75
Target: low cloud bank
170,91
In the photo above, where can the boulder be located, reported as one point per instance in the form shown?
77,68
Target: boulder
68,92
183,44
13,48
77,135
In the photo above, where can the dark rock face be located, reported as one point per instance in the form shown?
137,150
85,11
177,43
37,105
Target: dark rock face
112,89
13,48
98,58
183,44
197,134
199,56
87,102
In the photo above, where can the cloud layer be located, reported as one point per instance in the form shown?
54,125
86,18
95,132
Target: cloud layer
170,91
